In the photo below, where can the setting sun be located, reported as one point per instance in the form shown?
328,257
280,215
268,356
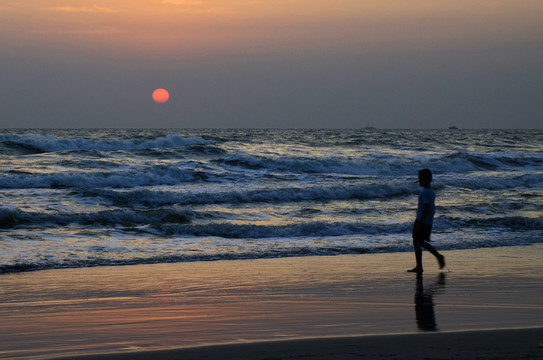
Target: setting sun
161,96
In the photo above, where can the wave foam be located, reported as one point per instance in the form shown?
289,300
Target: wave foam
50,143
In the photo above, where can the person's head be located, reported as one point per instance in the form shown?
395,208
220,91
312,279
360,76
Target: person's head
425,177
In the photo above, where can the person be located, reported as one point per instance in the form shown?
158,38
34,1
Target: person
423,223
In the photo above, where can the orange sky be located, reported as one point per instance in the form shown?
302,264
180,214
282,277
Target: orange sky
193,26
246,63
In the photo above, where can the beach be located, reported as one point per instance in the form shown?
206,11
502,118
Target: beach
246,179
282,308
497,344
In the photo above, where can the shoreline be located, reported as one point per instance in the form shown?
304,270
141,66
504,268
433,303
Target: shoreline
190,306
506,344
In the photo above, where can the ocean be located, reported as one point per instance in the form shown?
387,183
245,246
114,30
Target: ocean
100,197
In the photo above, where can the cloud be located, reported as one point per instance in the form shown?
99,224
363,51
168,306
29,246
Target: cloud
183,2
200,7
94,9
99,31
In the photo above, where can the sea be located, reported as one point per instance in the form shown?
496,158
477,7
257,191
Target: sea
101,197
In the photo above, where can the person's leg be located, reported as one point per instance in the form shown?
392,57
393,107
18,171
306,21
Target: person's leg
433,251
418,256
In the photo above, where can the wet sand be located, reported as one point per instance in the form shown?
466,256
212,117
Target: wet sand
280,308
489,344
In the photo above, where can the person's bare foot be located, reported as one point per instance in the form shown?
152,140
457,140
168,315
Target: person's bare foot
415,270
441,260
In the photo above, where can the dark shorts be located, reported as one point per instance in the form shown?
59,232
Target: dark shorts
421,232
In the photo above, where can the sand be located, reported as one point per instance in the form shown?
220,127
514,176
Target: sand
495,344
338,307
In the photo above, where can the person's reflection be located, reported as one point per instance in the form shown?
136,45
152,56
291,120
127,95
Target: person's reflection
424,303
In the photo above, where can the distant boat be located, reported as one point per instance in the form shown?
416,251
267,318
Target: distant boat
453,128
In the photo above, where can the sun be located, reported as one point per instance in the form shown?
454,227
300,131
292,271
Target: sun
161,96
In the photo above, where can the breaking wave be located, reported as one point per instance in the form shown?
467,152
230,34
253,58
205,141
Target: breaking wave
74,198
48,143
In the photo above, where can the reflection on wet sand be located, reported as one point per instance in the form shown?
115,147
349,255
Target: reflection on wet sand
424,302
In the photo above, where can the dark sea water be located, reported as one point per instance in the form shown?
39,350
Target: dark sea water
76,198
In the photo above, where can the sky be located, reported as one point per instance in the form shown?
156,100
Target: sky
271,63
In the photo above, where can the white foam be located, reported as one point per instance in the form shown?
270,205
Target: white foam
50,143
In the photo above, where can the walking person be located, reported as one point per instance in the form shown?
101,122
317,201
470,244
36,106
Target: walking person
423,223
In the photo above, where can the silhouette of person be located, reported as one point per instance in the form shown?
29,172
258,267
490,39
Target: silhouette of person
424,303
423,223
